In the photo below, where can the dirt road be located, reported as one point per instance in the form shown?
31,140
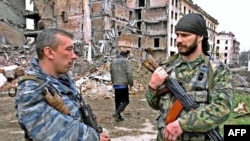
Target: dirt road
139,123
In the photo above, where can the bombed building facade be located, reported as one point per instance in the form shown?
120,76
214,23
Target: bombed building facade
104,27
107,26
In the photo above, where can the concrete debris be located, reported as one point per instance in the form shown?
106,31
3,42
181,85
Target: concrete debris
240,81
95,83
241,108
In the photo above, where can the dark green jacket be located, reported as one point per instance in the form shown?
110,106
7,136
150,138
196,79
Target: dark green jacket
121,71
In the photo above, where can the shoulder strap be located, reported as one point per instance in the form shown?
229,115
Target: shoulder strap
29,77
210,72
12,90
170,59
207,61
51,96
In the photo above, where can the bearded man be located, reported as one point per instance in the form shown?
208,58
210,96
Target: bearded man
206,81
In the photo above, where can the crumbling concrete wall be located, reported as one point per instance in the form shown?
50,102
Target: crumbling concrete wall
108,25
97,23
11,14
132,4
66,15
157,3
11,24
156,21
128,40
121,13
46,10
11,36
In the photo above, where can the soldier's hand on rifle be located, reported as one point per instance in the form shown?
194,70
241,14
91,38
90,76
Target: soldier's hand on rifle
157,78
172,131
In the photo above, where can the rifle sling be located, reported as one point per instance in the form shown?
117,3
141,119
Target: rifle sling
52,98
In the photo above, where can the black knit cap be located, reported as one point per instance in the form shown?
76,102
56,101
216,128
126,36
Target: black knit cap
194,23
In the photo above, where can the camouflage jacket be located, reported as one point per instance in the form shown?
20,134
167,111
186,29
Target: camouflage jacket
41,121
215,103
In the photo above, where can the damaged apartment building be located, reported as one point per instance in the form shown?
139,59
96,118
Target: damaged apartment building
104,27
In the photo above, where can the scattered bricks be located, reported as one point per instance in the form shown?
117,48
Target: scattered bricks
19,71
8,89
4,91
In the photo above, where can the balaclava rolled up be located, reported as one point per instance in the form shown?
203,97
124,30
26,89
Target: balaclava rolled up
194,23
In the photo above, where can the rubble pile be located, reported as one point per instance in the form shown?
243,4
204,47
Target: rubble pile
8,79
92,81
241,108
240,81
97,85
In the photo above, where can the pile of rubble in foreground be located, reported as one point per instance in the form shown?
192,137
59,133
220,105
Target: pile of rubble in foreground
95,85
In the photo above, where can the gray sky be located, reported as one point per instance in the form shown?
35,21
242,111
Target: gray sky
232,17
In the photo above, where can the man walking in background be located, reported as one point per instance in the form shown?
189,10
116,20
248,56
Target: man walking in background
121,77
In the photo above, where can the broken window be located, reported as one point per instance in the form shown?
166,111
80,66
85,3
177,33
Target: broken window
139,42
29,5
30,24
65,16
141,3
171,29
156,42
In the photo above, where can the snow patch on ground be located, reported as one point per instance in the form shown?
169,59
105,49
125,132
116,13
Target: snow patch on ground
143,137
149,135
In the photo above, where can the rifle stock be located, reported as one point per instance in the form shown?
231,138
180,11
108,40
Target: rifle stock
174,112
182,98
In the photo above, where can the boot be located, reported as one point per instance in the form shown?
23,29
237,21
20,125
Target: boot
120,117
117,117
122,106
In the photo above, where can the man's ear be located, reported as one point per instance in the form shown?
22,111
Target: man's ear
49,52
200,38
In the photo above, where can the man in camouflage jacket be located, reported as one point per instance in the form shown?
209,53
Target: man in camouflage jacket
215,102
39,120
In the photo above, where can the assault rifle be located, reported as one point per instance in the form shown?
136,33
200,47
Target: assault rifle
88,117
183,99
54,100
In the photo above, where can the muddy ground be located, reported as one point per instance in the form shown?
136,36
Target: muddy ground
139,123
